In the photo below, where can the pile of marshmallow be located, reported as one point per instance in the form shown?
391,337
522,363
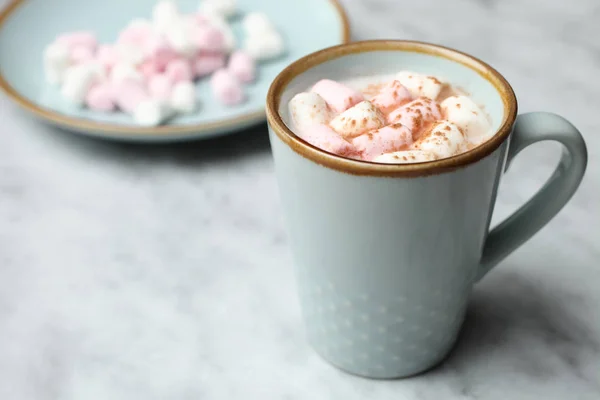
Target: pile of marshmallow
150,71
402,123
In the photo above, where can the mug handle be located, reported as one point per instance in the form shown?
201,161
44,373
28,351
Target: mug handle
548,201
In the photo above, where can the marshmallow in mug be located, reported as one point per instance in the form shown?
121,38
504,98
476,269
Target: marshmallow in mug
416,115
392,96
339,97
421,85
359,119
444,139
323,137
384,140
308,108
405,157
464,113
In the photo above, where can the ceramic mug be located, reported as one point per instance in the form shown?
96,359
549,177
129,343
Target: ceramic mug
387,255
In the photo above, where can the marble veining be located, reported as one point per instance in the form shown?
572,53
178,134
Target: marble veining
163,272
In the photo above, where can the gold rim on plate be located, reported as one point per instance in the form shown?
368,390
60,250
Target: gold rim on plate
357,167
82,124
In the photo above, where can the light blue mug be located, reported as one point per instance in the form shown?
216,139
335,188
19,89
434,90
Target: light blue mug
387,255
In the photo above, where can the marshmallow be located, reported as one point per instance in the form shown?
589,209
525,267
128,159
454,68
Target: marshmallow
384,140
206,64
222,8
464,113
416,115
107,55
420,85
57,58
158,51
78,79
164,15
308,109
256,24
339,97
100,98
130,53
391,97
226,88
75,39
444,139
325,138
179,70
81,54
129,94
405,157
183,97
180,37
160,87
359,119
219,23
152,112
148,69
265,46
137,32
209,38
242,66
124,71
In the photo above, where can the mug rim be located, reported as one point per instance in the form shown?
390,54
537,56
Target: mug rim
359,167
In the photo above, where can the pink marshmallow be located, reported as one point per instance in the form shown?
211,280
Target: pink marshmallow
81,38
148,69
206,64
81,54
338,97
101,98
107,55
391,97
226,88
136,35
383,140
129,94
200,19
160,87
209,38
160,53
179,70
325,138
242,66
417,115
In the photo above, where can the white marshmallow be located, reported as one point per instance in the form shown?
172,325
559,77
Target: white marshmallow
464,113
78,80
420,85
257,23
264,46
357,120
125,71
219,23
165,15
183,97
223,8
309,108
152,112
405,157
57,59
130,54
443,140
180,38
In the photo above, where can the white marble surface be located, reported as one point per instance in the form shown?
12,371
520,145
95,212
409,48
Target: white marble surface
162,272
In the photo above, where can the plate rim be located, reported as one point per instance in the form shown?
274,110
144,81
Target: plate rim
86,125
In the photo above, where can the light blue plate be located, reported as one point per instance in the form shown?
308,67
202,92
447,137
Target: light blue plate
27,26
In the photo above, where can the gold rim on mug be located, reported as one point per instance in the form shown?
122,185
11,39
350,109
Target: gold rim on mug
101,127
358,167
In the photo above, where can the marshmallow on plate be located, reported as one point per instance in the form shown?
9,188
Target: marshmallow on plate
164,15
77,39
226,87
179,70
78,80
357,120
107,55
242,66
325,138
256,24
391,96
183,97
265,46
444,139
152,112
206,64
125,71
416,115
219,23
209,38
160,87
308,109
338,96
384,140
57,58
222,8
101,97
464,113
81,54
129,94
180,37
405,157
421,85
159,52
